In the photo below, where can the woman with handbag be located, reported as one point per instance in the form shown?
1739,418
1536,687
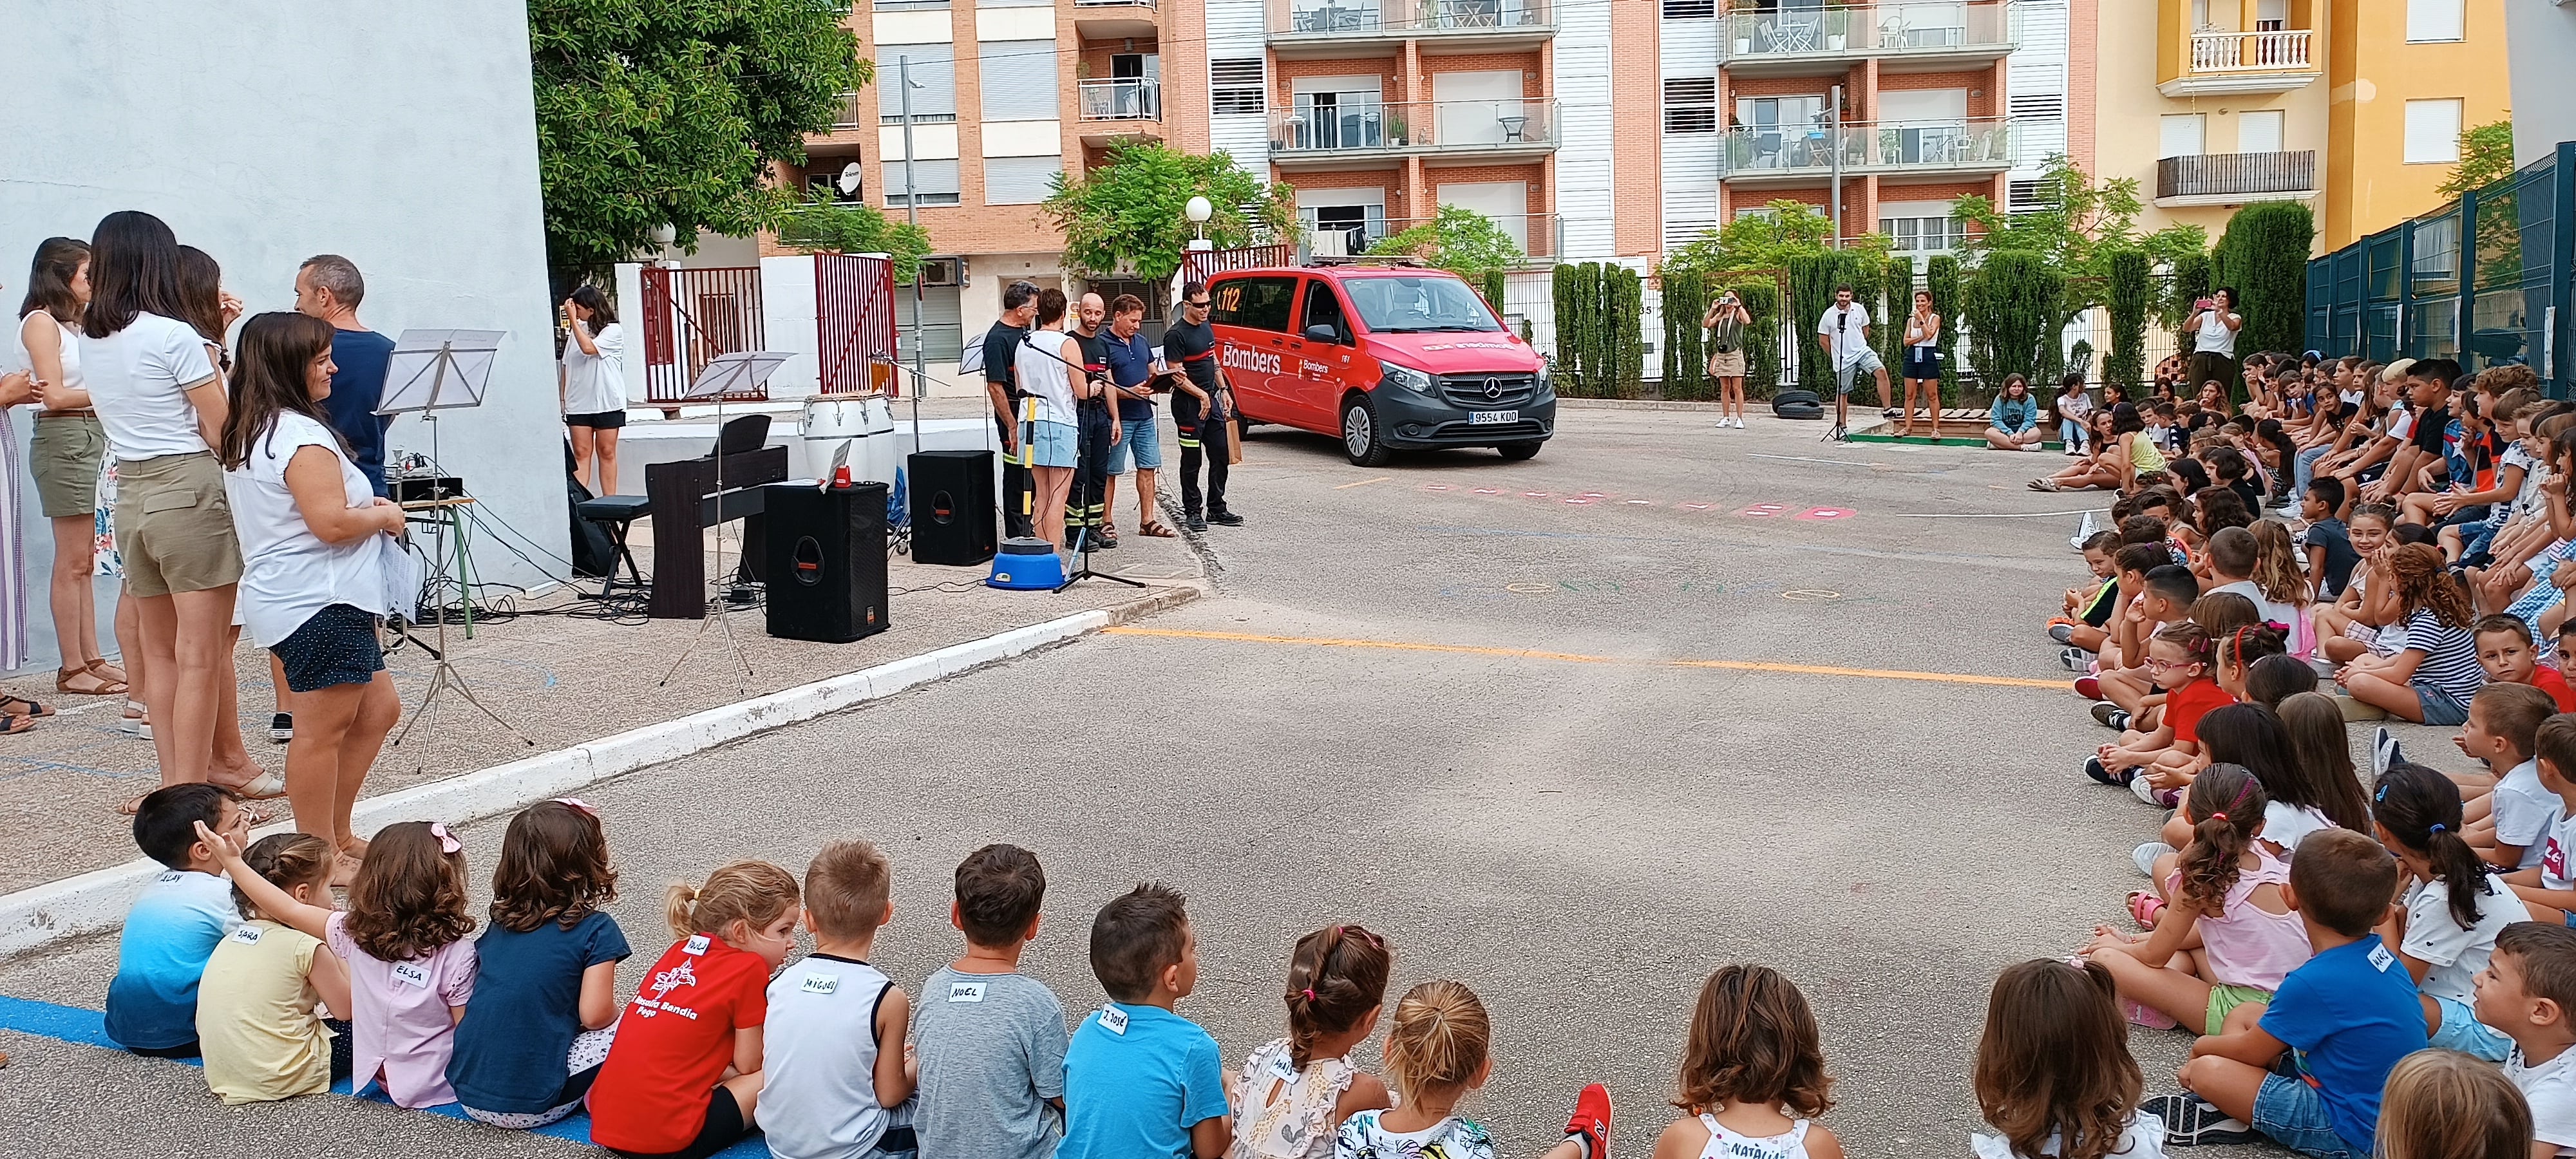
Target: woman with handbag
1725,324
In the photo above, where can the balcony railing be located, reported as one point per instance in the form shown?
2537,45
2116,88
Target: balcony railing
2252,175
1535,233
849,113
1976,143
1122,99
1923,29
2225,52
1113,3
1363,19
1364,127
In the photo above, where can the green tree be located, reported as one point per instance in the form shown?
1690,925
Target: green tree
2015,314
2193,279
1768,240
1459,240
2486,155
1898,292
1623,313
654,112
1941,276
2264,254
2130,293
1811,290
2076,224
821,225
1128,215
1685,296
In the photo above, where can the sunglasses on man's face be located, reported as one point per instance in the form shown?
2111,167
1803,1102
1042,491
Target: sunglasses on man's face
1201,304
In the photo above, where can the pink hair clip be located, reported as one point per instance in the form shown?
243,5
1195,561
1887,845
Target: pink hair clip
446,842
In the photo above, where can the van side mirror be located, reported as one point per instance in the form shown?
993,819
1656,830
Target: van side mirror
1320,332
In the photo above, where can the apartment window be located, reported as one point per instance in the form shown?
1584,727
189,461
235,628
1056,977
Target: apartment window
1018,80
934,80
2027,196
2259,131
2182,135
1689,9
1690,104
1921,234
1240,86
1019,180
2434,20
934,182
2432,132
2038,106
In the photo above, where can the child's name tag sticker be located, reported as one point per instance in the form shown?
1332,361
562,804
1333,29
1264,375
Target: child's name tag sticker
965,991
1282,1068
244,935
411,974
1113,1020
821,983
2381,959
697,944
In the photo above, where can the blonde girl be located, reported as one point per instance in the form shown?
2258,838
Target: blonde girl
256,1008
1753,1076
1436,1051
2442,1104
1294,1092
2054,1076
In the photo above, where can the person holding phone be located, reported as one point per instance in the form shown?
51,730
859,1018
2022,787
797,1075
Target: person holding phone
2213,325
592,383
1725,324
1923,362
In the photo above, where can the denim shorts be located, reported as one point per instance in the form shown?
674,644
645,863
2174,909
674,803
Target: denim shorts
1050,444
2294,1115
1137,441
2461,1031
2441,709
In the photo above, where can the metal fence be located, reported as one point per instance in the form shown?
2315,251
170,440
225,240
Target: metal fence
2484,279
692,315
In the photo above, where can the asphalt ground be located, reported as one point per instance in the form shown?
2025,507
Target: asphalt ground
1574,731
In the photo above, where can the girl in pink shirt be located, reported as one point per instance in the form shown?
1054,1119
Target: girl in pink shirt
411,967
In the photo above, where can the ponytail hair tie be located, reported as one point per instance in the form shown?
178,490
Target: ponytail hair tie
1310,994
2438,827
2218,816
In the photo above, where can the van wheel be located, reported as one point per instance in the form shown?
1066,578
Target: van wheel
1360,438
1519,451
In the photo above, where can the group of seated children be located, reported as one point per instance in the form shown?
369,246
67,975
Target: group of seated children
236,955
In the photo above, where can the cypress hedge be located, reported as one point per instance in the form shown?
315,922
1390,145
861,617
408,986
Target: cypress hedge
1941,276
2015,314
2126,361
1761,298
1686,297
1811,292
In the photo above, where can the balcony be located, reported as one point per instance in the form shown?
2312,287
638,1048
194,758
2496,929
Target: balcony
2235,178
2217,62
1924,37
1798,155
1122,99
1535,233
1305,28
1367,134
850,114
1114,19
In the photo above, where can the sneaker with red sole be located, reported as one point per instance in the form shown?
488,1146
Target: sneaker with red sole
1591,1122
2088,687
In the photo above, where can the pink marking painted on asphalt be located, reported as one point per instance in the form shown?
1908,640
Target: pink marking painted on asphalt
1827,513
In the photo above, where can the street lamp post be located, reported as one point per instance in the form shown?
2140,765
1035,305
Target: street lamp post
911,217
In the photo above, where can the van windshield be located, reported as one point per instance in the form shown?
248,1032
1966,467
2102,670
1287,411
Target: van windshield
1418,305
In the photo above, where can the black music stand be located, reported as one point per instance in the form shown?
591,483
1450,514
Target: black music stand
726,374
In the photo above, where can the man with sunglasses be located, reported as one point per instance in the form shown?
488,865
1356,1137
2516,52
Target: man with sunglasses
1190,343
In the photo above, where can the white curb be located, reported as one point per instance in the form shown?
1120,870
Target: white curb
96,901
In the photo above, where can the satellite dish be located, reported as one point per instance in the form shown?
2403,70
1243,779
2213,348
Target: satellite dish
851,174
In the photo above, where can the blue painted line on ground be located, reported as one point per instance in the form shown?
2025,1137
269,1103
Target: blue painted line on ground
82,1027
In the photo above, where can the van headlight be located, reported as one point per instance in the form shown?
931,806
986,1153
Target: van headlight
1545,383
1405,376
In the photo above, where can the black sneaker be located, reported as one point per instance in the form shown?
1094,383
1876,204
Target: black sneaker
1194,521
281,727
2110,715
1225,519
2191,1121
2093,768
2062,633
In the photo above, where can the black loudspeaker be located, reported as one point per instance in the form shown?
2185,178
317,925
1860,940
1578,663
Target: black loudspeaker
827,561
952,507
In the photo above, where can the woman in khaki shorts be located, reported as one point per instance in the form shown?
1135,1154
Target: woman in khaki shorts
65,457
159,399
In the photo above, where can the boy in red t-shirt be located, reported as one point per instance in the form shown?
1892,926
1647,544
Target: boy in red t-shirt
2559,663
2505,650
683,1079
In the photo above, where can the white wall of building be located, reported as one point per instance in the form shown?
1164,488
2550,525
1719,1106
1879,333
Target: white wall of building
1690,160
2540,38
1583,194
2035,83
402,136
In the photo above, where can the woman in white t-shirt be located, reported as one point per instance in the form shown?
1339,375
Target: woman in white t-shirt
66,454
2213,325
593,382
317,547
161,402
1043,367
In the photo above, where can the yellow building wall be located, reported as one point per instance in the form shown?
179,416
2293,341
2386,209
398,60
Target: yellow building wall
2372,71
2131,54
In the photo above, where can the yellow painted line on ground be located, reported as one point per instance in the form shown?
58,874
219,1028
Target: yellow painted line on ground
1578,658
1363,483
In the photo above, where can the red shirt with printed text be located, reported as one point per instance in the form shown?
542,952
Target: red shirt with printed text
674,1043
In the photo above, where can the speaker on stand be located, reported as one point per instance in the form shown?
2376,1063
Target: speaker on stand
826,561
953,513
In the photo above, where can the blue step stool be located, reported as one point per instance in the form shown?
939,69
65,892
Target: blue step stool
1027,565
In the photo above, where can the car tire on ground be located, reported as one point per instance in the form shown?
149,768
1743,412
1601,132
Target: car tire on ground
1519,451
1362,439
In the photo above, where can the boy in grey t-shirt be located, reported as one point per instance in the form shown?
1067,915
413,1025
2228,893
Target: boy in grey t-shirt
991,1040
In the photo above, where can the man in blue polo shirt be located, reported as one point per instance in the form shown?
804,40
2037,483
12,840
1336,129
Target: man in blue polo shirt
1133,370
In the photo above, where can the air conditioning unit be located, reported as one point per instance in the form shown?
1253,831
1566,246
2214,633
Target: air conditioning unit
939,272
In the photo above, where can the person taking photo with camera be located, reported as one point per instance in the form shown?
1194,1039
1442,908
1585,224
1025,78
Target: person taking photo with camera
1725,324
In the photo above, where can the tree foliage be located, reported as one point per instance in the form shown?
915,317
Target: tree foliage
1600,340
2130,293
2077,224
2264,254
2193,279
1459,240
1685,295
2015,315
1896,290
822,225
1761,298
1768,240
1129,215
1941,276
2486,156
653,112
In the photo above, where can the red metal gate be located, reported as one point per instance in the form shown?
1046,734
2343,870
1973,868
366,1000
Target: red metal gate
1201,263
692,315
854,323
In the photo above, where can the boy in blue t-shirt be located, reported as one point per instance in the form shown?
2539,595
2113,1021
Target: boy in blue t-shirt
175,922
2346,1016
1139,1080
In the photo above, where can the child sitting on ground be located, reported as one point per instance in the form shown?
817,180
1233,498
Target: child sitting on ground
1436,1053
2327,541
2506,652
2528,992
411,969
2054,1075
2089,606
2226,888
1294,1092
1140,1079
2509,811
2431,679
2240,650
834,1076
545,995
2549,888
175,922
2167,600
2348,1014
2304,795
989,1039
2273,680
1753,1074
2444,1105
2121,639
2447,920
2235,555
2353,627
683,1079
256,1007
2179,661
